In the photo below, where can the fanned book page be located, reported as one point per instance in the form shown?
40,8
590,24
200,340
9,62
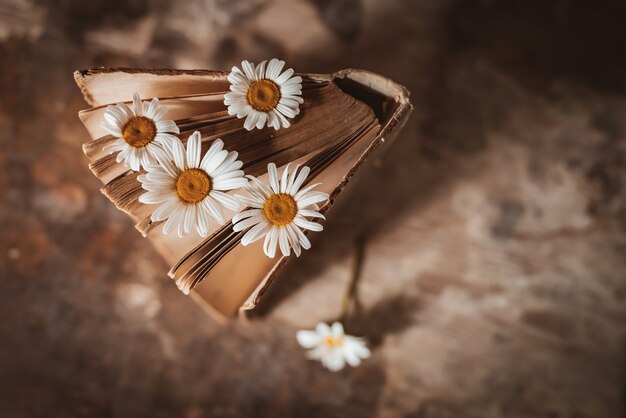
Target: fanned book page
343,118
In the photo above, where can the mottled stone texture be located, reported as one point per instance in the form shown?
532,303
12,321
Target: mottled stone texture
494,280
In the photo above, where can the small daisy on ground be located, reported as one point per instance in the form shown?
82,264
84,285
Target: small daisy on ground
332,347
188,188
263,95
279,211
140,131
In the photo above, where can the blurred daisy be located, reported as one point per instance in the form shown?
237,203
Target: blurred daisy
263,95
140,131
189,189
332,347
279,211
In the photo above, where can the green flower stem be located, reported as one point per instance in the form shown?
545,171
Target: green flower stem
350,301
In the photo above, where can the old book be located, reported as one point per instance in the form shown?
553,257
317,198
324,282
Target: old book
344,117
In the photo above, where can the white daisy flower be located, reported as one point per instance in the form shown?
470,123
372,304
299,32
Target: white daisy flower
263,95
190,189
279,211
332,347
140,131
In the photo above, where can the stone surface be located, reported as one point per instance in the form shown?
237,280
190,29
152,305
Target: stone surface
494,280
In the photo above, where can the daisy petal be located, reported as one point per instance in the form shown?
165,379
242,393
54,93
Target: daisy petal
311,226
283,242
274,68
334,361
248,201
172,222
194,145
284,179
293,240
308,339
251,120
228,201
259,73
311,198
255,233
261,120
154,197
178,155
269,246
273,176
214,209
304,172
284,76
311,213
336,330
323,329
216,147
304,241
203,222
152,107
165,210
166,126
137,105
246,214
248,69
247,223
229,184
190,217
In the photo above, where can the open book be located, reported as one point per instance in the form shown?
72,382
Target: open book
344,117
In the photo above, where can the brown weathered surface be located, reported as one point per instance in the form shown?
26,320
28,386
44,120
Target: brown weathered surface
495,278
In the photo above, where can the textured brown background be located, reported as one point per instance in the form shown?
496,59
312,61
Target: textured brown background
494,282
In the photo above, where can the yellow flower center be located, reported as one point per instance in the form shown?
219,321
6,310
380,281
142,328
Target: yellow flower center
333,342
280,209
139,131
263,95
193,185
